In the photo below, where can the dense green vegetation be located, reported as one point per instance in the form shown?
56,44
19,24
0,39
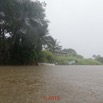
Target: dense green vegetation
46,56
24,37
67,56
69,59
22,29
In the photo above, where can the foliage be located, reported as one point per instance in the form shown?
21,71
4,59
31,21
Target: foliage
98,58
88,62
46,56
23,33
70,51
61,60
22,27
51,44
79,60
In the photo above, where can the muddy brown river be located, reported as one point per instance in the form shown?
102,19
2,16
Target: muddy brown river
51,84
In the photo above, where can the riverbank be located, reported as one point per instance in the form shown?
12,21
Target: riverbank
46,64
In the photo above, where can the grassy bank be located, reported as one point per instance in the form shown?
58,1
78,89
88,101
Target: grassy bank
49,57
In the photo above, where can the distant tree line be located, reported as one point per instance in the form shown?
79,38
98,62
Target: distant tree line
98,58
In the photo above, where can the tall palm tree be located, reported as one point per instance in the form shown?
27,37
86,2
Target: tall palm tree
52,44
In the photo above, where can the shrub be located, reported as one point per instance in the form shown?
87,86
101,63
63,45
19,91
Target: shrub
46,56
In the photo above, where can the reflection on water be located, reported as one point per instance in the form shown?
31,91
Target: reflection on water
72,84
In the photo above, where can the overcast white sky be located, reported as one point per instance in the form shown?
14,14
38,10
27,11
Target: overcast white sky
77,24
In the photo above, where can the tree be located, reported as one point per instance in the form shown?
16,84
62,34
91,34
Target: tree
70,51
51,44
22,27
98,58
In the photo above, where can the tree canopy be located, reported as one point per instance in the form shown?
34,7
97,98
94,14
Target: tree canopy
22,28
51,44
70,51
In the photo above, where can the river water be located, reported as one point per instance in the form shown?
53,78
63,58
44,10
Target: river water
68,84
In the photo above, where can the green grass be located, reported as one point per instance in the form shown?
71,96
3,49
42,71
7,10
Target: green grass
47,56
79,61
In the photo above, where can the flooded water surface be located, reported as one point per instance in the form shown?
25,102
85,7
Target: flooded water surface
51,84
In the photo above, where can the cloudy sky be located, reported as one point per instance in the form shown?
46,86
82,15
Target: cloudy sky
77,24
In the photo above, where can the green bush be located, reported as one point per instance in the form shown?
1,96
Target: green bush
46,56
88,62
49,57
61,60
78,59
